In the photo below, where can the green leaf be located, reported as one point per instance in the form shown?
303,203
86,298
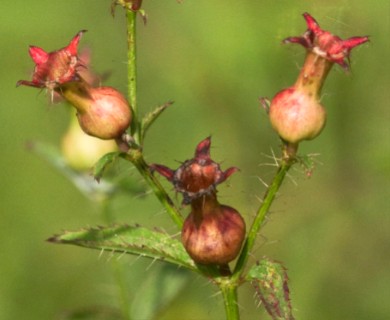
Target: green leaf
149,118
158,290
130,239
102,164
269,279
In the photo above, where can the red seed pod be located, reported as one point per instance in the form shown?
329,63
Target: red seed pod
197,176
213,233
102,112
54,68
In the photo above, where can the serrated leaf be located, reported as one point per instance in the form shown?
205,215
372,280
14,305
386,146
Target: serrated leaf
130,239
150,117
102,164
269,278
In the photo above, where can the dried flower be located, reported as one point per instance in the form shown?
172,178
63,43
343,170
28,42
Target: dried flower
197,176
55,68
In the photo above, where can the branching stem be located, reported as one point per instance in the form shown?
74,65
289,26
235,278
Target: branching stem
230,285
135,154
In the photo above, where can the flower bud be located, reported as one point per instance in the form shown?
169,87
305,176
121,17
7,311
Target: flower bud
213,233
102,112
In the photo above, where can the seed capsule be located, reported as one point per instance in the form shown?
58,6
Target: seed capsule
213,233
102,112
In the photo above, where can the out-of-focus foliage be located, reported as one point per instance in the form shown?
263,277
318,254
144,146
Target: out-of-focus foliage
214,59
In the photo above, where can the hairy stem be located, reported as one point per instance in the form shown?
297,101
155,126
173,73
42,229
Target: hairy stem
229,293
285,165
135,156
132,73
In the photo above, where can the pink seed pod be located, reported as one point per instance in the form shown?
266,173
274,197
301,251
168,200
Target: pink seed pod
296,116
102,112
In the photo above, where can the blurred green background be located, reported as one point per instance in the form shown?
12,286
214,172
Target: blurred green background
214,59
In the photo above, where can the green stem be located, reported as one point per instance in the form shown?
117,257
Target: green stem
135,156
229,293
132,73
261,214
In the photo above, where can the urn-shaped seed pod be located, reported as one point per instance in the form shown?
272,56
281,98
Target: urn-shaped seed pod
102,112
296,113
213,233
